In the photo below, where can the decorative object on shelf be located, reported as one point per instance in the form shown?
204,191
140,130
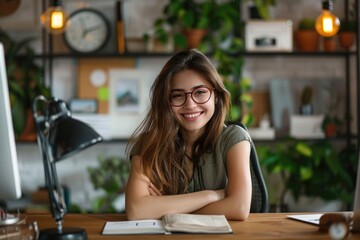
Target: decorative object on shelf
190,17
120,27
306,107
59,136
282,105
346,34
128,99
308,126
88,106
110,175
329,44
8,7
271,35
307,167
327,24
332,123
88,31
54,19
26,81
306,37
260,9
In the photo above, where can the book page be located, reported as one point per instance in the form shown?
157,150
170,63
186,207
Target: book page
196,223
134,227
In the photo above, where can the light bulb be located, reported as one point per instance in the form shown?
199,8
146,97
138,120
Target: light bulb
54,19
327,24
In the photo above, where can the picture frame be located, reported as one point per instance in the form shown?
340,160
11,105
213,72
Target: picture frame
274,35
127,94
129,99
78,105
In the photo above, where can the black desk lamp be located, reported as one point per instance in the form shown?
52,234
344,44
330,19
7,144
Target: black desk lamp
59,136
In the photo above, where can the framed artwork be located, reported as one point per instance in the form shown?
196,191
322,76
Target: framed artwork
78,105
128,99
127,90
18,20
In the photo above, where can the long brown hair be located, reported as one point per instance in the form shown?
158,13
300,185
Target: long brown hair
158,139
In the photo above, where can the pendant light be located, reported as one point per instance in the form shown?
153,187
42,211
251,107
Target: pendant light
327,24
54,18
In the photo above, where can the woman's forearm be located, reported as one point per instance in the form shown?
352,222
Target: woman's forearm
232,208
154,207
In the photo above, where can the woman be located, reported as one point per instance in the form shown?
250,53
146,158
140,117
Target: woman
183,158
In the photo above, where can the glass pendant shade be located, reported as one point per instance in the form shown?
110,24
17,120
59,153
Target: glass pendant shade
54,18
327,24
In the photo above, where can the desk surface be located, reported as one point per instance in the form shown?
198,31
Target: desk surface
257,226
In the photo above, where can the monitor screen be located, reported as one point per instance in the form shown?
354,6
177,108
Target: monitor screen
9,172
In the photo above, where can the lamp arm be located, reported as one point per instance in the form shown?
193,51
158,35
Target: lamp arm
57,203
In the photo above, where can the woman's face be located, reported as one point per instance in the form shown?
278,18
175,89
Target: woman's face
192,116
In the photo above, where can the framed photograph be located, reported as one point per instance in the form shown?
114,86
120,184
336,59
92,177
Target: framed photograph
78,105
26,17
129,99
274,35
127,91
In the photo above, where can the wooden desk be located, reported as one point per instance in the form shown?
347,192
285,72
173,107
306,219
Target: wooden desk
258,226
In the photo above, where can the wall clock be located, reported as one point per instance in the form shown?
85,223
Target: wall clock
88,31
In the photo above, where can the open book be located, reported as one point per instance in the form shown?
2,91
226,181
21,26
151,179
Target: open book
170,223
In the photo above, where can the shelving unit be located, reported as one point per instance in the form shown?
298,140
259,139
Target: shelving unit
347,57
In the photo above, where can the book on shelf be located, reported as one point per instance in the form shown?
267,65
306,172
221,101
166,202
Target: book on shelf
170,223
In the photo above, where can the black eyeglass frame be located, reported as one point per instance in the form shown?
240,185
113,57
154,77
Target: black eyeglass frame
191,95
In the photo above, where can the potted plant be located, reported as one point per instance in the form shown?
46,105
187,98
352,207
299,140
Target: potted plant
26,81
306,107
346,33
314,170
332,123
260,9
111,176
188,20
306,37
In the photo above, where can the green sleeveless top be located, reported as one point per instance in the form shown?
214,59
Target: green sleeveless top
211,172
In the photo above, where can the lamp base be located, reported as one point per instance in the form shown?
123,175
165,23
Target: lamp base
65,234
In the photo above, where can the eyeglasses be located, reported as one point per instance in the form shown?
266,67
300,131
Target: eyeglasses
199,95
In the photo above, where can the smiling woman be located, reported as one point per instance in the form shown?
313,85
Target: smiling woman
183,158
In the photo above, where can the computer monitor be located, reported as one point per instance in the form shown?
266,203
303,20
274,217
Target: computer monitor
10,188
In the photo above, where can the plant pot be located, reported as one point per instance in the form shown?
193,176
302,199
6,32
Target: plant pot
346,39
194,37
330,130
329,44
29,133
307,41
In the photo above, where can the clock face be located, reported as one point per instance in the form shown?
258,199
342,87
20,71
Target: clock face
87,31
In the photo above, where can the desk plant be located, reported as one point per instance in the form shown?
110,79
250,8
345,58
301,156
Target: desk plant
25,80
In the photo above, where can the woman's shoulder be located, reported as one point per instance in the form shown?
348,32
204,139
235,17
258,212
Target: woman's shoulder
234,133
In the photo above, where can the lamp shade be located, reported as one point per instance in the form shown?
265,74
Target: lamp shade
68,136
